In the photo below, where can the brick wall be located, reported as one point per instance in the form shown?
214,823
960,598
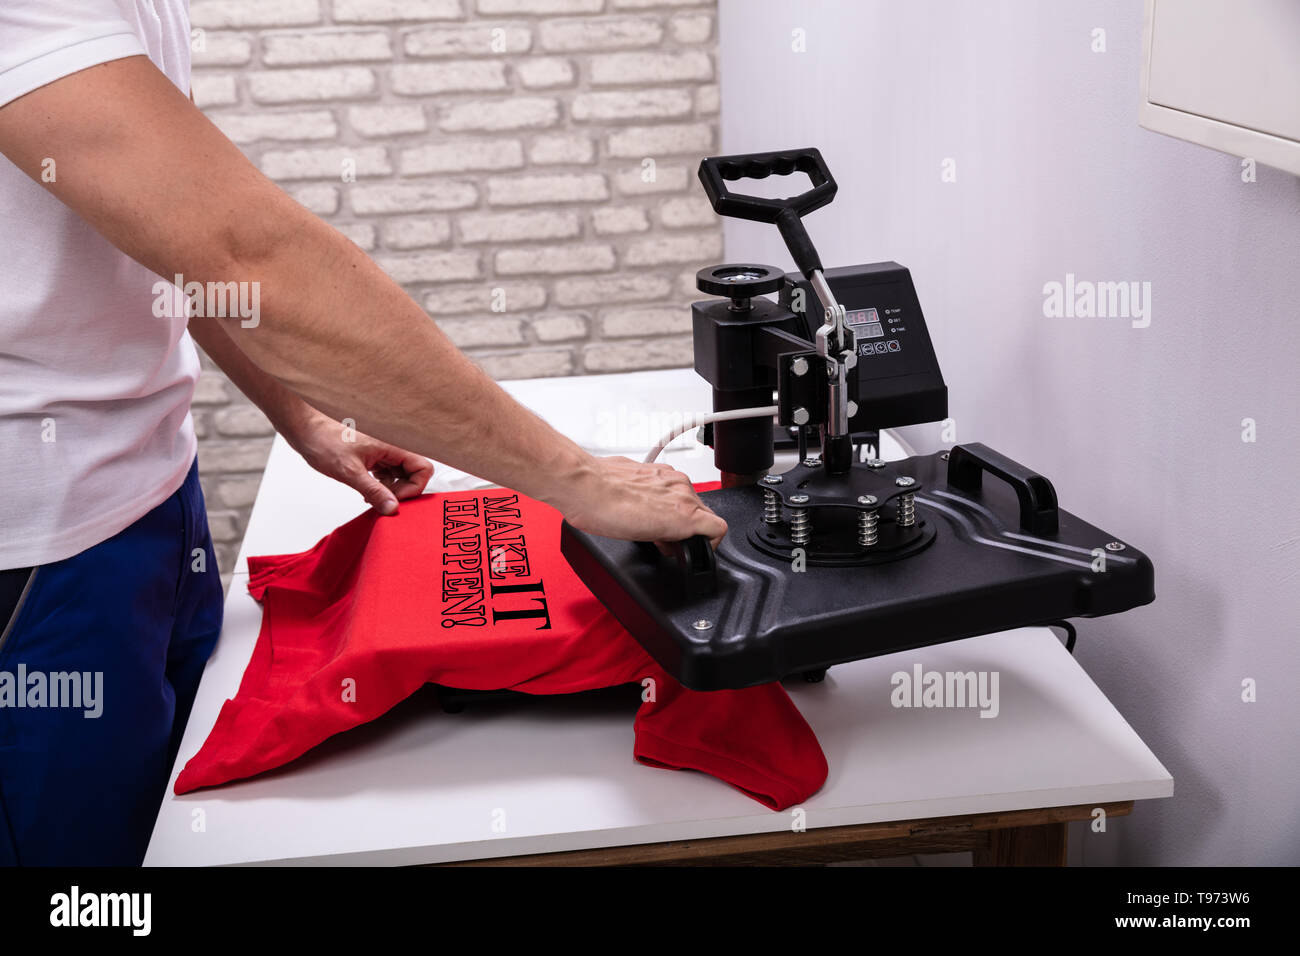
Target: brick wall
524,168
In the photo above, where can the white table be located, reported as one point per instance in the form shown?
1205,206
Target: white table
421,786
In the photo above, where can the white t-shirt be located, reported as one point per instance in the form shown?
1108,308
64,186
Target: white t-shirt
95,427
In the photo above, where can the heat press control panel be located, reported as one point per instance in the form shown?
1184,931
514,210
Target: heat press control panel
898,376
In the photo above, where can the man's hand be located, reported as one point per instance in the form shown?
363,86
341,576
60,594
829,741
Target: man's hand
621,498
384,474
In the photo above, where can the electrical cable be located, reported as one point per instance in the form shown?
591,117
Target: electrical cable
1070,633
704,418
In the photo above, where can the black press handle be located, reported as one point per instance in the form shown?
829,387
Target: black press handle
717,171
1038,512
693,560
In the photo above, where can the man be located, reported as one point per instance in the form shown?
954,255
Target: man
109,598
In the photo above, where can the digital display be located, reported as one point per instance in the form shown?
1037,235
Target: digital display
866,323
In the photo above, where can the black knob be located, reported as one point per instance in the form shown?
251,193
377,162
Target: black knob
739,280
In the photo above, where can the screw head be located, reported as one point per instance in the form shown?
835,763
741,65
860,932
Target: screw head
944,456
799,366
1114,546
772,479
866,499
812,461
905,482
703,624
801,416
875,463
799,499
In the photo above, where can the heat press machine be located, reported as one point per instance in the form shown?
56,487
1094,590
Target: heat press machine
837,558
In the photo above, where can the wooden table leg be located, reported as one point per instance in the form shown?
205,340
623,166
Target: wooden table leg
1043,845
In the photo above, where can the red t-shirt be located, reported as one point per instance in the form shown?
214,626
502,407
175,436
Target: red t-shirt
469,590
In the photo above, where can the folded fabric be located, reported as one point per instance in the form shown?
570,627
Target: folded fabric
468,589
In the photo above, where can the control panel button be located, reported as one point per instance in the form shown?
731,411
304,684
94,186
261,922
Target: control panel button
893,346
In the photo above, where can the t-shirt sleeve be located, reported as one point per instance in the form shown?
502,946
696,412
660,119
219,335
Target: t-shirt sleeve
45,40
755,739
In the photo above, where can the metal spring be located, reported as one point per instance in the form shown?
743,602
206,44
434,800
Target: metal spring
800,526
868,522
771,507
906,510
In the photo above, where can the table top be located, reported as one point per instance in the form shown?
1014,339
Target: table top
547,775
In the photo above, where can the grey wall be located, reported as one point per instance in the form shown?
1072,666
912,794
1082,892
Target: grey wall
1140,429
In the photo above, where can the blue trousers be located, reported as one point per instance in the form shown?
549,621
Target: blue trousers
99,663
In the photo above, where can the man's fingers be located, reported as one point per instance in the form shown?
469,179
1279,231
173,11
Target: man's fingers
377,495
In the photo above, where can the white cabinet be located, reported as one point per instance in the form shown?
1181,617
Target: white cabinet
1225,74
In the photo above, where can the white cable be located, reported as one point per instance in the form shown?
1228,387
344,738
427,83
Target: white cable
704,418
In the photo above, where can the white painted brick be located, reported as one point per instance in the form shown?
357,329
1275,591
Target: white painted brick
518,226
416,232
322,200
326,163
483,331
555,259
666,320
210,389
665,179
251,127
484,297
431,267
599,290
222,49
393,11
237,492
535,363
387,120
652,353
642,4
498,7
373,199
612,69
213,90
361,233
562,148
599,34
560,328
540,73
707,100
241,421
691,27
618,220
517,112
632,105
527,190
687,211
228,456
658,250
283,49
224,525
461,76
661,140
468,41
456,156
220,14
286,86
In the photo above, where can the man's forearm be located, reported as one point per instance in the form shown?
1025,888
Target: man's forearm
132,151
337,331
285,409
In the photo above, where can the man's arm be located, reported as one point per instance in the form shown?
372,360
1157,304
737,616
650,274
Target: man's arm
140,163
382,473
